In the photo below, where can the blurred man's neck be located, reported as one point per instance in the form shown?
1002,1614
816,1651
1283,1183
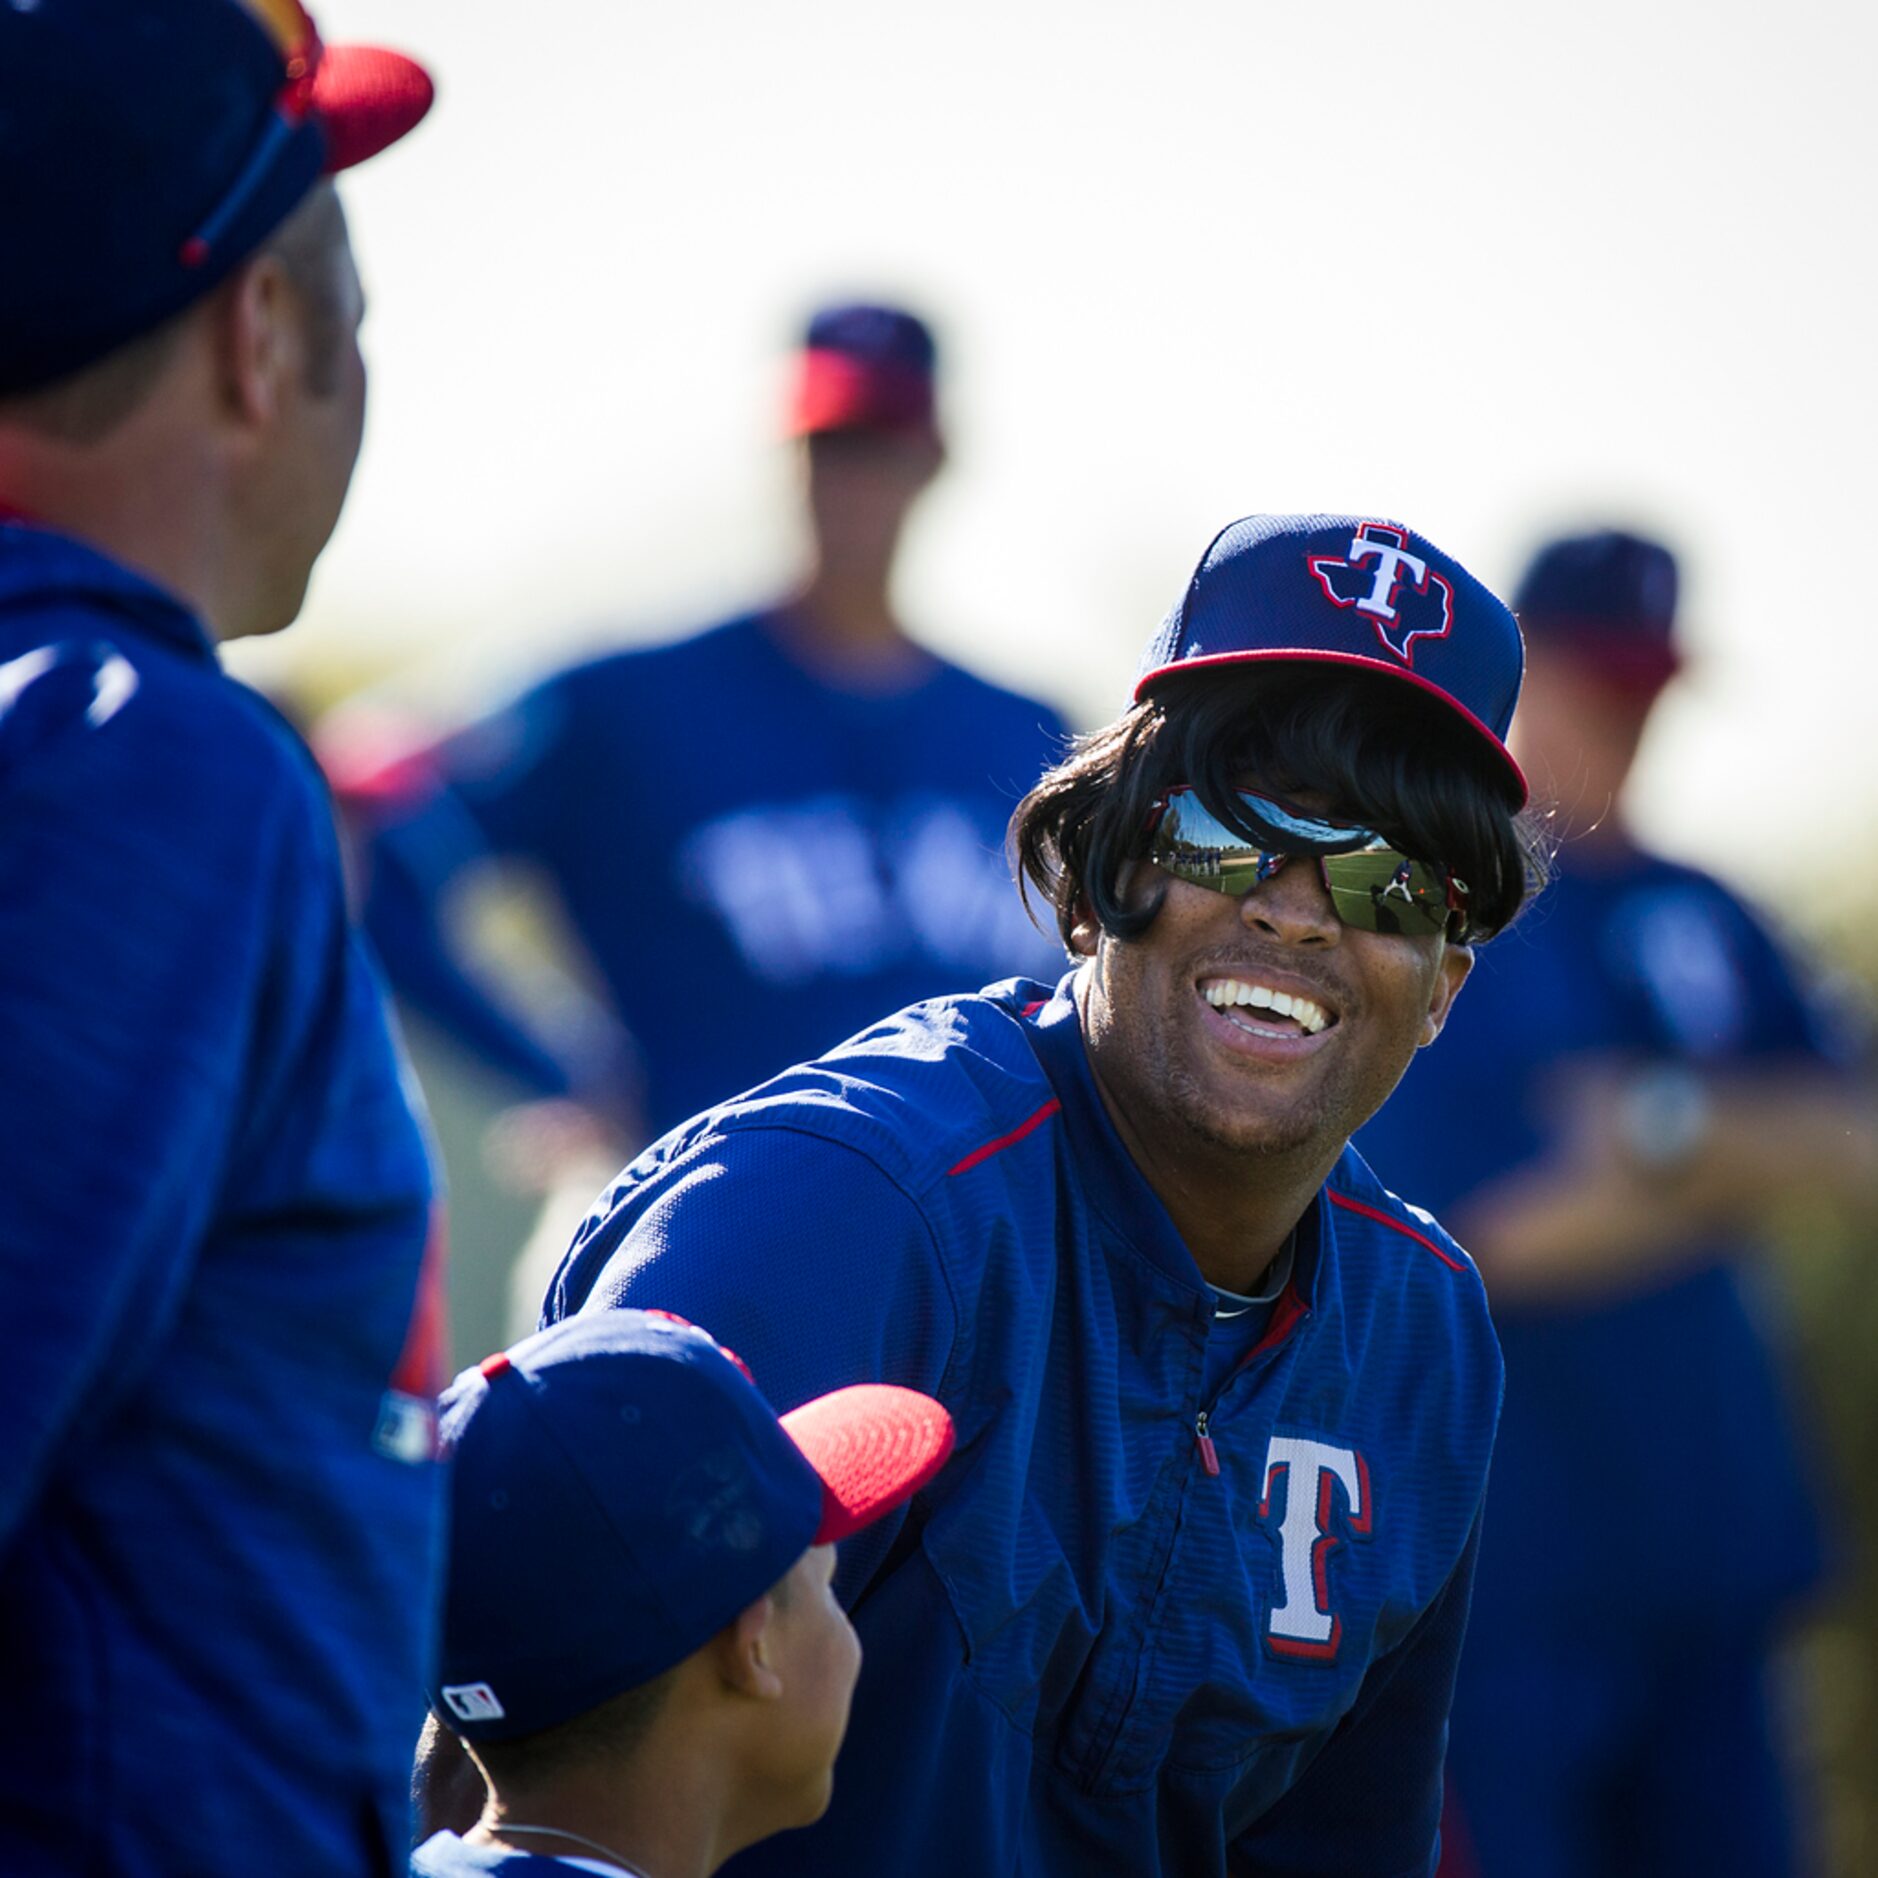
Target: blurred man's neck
840,624
145,499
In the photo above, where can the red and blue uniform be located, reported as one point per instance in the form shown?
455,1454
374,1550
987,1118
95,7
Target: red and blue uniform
1653,1516
1170,1607
756,860
218,1508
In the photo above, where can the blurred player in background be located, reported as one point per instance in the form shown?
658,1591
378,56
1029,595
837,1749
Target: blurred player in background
640,1642
1635,1077
1189,1595
762,836
217,1495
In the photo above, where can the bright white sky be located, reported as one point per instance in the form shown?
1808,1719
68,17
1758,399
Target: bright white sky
1484,266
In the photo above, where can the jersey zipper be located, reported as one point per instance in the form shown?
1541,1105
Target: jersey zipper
1209,1455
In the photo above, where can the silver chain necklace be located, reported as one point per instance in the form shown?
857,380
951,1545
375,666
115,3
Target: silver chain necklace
593,1845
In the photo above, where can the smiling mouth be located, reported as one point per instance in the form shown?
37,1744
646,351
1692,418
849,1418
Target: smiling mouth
1263,1011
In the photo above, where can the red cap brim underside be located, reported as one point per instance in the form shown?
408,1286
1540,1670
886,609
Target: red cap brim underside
836,392
874,1445
366,99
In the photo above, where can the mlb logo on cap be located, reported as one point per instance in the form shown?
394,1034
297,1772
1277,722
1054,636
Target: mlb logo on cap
472,1701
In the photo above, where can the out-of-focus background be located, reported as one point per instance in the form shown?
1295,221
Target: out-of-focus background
1495,270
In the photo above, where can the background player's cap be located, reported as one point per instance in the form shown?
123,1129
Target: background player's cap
153,147
1609,596
864,367
1348,590
620,1491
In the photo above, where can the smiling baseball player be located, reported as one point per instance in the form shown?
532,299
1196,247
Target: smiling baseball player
1189,1596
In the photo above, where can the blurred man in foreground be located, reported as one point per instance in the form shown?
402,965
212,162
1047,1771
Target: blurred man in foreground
640,1641
217,1495
1642,1075
762,836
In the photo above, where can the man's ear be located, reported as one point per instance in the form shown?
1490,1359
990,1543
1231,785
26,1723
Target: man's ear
257,340
1456,962
743,1652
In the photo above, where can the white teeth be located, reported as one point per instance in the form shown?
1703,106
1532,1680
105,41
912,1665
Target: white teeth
1224,993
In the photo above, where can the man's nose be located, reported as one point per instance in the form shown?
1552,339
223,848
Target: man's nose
1293,906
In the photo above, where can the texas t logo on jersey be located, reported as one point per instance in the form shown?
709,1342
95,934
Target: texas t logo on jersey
1307,1479
1395,589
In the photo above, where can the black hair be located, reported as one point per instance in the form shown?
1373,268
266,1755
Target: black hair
1362,746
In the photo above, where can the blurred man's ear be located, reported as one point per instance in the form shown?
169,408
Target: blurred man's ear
257,340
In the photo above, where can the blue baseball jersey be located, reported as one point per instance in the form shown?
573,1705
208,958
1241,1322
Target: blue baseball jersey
1652,961
756,860
218,1507
1613,1709
1145,1620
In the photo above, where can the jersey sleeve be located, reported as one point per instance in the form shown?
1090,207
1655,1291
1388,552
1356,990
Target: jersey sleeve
1371,1801
797,1252
506,788
131,928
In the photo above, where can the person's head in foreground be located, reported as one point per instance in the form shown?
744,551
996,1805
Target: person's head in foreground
640,1646
180,377
1599,614
1279,858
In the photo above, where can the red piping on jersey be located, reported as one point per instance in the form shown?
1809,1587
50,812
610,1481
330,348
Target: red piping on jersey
1033,1007
1287,1313
1376,1213
1004,1141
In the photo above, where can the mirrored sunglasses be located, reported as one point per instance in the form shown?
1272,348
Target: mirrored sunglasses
1373,886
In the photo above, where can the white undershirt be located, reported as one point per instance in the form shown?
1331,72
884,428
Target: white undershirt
1230,1304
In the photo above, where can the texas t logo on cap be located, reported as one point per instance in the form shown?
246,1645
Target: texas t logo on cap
1403,598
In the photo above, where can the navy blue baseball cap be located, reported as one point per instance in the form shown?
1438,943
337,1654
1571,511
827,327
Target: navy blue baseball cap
1609,596
153,146
864,367
1350,591
620,1490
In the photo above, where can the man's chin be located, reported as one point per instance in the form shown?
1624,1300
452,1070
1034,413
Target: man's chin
1259,1134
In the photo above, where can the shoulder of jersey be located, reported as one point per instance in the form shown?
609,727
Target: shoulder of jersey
1355,1193
929,1093
1024,709
685,656
115,698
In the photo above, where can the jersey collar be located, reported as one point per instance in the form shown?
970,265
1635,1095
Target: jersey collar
40,567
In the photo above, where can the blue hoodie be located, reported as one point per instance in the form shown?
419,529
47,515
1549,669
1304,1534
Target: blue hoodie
217,1502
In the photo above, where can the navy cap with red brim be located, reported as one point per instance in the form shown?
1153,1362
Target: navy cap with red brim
165,144
1353,593
620,1491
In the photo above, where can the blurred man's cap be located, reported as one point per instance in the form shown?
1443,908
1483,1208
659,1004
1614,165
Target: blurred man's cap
620,1491
151,147
864,367
1610,597
1352,592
